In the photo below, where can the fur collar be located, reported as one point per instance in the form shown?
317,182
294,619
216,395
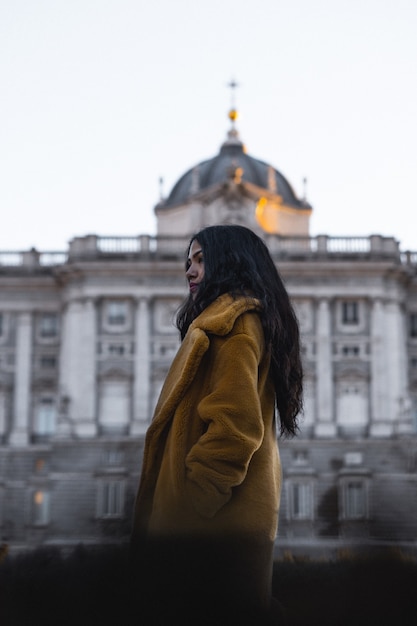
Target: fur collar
220,316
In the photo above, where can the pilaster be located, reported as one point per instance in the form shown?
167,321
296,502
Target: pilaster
325,425
379,383
22,383
141,389
78,370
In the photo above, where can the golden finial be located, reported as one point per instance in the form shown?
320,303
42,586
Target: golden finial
233,114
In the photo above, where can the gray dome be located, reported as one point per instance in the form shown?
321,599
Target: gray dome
221,168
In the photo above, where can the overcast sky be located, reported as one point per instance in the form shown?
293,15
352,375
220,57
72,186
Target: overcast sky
99,99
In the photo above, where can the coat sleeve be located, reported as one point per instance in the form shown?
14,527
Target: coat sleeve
219,460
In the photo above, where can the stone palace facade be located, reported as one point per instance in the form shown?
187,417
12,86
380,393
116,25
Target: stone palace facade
87,336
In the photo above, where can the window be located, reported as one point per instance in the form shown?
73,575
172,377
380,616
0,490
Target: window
116,313
111,495
350,351
350,312
116,316
48,325
352,406
4,325
113,457
414,414
40,465
164,315
355,499
353,458
40,507
301,500
300,457
116,349
413,325
166,349
48,362
45,417
114,406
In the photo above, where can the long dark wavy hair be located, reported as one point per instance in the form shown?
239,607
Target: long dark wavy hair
237,261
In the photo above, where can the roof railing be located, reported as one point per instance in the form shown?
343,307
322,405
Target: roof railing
96,248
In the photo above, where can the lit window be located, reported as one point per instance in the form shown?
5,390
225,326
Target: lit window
350,312
45,417
48,325
39,465
117,313
355,499
111,498
40,507
301,500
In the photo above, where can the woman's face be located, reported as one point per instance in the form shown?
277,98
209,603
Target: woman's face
195,267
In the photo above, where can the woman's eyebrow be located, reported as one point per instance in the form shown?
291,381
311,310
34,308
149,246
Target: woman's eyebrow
195,254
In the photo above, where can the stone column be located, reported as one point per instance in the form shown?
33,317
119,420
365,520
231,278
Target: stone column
396,367
141,388
325,425
22,381
88,378
78,370
3,414
67,367
379,382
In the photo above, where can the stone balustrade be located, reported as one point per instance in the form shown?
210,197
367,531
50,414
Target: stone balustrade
94,247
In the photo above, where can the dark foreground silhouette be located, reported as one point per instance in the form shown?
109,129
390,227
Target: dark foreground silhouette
94,587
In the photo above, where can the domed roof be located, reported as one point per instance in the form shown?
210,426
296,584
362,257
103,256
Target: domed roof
231,161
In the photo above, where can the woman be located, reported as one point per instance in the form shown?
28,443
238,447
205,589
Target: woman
206,511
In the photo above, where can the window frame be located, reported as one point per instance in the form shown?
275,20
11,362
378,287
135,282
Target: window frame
121,323
111,498
48,362
350,327
40,512
300,494
44,334
4,326
47,421
350,313
412,326
350,511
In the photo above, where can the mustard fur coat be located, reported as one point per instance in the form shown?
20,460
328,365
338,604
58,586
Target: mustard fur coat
211,464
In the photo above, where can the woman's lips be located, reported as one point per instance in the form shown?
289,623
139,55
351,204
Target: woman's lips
193,287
